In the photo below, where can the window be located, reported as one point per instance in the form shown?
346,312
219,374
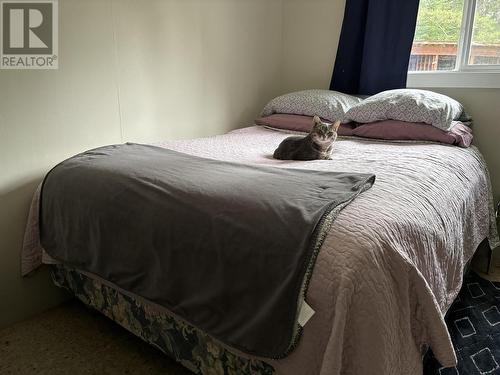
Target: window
460,37
437,34
485,42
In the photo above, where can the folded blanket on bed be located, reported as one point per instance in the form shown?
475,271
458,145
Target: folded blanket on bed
229,247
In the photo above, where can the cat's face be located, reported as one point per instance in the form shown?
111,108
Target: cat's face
324,133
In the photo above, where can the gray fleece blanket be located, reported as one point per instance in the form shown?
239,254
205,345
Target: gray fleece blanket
228,247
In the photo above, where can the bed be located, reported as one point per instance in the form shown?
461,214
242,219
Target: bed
386,274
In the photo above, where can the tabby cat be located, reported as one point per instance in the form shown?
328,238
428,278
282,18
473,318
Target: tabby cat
317,145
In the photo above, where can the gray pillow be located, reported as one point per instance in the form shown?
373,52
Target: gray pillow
329,105
408,105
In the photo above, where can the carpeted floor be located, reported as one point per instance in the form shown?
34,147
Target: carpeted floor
73,339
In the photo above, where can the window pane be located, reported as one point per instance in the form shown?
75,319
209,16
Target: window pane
436,36
485,48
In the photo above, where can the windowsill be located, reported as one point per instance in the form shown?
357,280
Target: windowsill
454,79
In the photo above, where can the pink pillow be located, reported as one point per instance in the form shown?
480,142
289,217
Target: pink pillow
459,134
298,123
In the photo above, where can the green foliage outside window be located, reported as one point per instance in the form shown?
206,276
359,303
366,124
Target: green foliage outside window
440,21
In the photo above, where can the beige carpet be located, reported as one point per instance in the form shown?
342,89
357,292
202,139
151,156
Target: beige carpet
72,340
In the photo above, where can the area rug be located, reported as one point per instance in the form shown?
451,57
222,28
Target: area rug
474,325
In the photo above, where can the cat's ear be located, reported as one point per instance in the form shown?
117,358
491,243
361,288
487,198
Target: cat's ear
336,126
316,120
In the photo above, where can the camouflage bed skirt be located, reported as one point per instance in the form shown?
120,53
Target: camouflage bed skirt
187,345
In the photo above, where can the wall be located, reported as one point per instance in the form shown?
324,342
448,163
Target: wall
311,30
129,71
205,65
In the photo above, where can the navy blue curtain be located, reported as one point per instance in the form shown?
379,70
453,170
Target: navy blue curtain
374,47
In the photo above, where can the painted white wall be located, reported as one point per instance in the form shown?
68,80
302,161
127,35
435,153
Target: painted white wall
46,116
195,67
311,31
128,71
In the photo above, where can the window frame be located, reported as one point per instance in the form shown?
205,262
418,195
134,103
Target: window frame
464,74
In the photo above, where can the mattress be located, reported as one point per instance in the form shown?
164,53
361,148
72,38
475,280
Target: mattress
393,261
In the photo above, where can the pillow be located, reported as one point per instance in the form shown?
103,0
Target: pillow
298,123
329,105
392,130
408,105
459,134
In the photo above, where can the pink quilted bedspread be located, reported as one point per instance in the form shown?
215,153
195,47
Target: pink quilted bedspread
392,263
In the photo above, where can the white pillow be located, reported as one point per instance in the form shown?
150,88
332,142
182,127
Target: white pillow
327,104
408,105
